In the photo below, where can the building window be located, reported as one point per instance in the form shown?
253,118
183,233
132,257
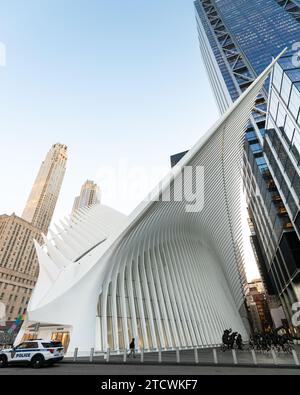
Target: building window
295,102
277,77
286,89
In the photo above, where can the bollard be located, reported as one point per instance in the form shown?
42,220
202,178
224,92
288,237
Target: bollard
92,355
235,361
274,357
142,355
215,356
159,356
125,356
254,357
75,354
108,355
196,355
296,359
177,355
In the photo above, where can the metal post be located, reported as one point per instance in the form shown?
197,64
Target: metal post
296,359
108,355
177,355
254,357
274,357
125,356
142,355
159,356
215,356
75,354
196,355
235,361
92,355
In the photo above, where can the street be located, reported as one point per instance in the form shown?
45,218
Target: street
114,369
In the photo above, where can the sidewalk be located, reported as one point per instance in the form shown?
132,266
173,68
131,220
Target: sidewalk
203,357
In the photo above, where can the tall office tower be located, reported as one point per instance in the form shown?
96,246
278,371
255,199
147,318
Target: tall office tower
44,194
89,195
282,151
258,307
18,260
18,263
238,38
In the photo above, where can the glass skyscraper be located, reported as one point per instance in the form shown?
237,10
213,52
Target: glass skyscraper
176,158
238,39
282,152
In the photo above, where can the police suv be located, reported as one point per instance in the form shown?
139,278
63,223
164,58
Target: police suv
36,353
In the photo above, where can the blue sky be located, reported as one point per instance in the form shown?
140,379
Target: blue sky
112,80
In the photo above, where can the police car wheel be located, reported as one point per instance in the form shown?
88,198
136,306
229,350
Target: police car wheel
37,361
3,361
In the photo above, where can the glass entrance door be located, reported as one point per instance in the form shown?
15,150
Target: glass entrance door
63,337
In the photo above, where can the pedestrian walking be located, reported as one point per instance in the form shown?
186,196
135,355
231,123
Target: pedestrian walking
132,348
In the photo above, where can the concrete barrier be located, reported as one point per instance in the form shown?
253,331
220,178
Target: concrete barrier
177,355
215,355
296,359
235,361
75,354
274,356
196,355
254,357
92,355
159,356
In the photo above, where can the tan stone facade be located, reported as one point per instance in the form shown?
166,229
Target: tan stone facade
18,263
18,260
43,197
89,195
258,306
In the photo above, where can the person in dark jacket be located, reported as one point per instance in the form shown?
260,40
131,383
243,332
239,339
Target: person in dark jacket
239,341
132,348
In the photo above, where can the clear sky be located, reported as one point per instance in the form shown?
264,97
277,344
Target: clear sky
120,82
